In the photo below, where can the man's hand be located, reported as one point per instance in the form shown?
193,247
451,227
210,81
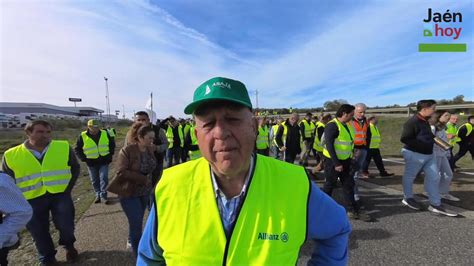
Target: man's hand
283,148
339,168
450,136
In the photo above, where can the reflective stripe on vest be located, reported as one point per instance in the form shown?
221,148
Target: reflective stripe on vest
317,142
35,179
275,129
360,133
262,138
468,127
193,155
375,139
344,143
307,129
111,132
453,130
266,232
91,149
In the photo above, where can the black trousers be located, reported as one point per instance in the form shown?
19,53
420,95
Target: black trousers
265,152
290,156
374,154
3,256
463,149
347,181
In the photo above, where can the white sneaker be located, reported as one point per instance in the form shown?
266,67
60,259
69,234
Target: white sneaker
129,244
440,210
449,197
356,197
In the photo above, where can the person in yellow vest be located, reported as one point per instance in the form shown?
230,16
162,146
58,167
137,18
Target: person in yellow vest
263,141
452,134
191,143
111,131
374,150
317,144
236,207
314,121
306,131
272,135
466,140
338,149
46,171
185,127
174,134
288,138
96,148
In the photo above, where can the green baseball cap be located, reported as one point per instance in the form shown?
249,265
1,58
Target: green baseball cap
93,123
219,89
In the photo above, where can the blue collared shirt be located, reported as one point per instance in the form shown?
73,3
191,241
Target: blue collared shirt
16,209
228,208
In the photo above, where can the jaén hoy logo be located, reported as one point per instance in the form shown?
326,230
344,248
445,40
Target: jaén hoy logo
439,29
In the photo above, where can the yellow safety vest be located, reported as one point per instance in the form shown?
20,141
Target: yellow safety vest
452,129
187,127
262,138
193,155
170,136
468,127
111,132
312,125
307,128
344,143
317,142
266,232
376,138
91,149
285,132
35,179
275,129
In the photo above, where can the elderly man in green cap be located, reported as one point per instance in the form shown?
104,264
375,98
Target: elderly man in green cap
233,206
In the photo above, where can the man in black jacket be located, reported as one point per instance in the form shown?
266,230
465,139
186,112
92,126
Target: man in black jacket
418,141
288,138
466,143
96,148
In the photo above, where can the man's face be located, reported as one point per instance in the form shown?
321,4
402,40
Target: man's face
347,117
428,111
359,112
40,135
453,119
226,138
142,119
293,119
471,121
93,130
445,117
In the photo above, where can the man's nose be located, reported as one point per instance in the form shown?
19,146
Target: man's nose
221,130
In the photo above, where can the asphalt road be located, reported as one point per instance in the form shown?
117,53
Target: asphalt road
399,235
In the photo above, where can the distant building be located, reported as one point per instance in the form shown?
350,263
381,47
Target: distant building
16,115
43,108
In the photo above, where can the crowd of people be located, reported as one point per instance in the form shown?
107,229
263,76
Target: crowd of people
219,199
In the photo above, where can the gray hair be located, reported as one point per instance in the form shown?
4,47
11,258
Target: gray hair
361,105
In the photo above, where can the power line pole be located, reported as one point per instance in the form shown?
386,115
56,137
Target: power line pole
256,97
107,100
123,111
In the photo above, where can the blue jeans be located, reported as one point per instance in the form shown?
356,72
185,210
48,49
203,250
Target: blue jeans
62,209
445,173
99,175
414,163
134,208
357,164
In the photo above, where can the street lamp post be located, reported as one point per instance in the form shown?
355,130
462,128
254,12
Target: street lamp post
107,100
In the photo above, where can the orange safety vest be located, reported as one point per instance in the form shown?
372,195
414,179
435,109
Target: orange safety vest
360,138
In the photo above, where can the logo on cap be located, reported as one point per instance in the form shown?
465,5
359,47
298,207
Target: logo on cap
208,90
222,84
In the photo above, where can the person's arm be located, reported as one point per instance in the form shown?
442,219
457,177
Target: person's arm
7,169
409,133
302,129
279,136
75,169
164,142
123,171
329,227
149,252
111,145
16,209
368,135
320,132
79,149
331,132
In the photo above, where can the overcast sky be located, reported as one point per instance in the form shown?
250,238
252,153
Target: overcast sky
296,53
